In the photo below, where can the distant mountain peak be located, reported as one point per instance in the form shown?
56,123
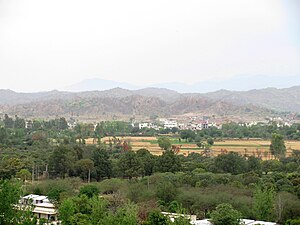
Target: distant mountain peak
236,83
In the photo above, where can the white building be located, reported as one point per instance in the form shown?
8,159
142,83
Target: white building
170,124
28,124
144,125
42,207
173,216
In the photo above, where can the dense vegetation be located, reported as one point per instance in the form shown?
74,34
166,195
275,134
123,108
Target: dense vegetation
135,186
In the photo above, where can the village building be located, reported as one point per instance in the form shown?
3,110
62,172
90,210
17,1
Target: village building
42,207
170,124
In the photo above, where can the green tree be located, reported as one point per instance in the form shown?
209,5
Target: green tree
8,122
168,162
66,211
102,163
166,192
277,146
10,193
130,165
210,141
23,174
156,218
230,163
225,214
293,222
164,143
19,123
254,164
264,203
89,190
147,160
187,135
84,167
61,161
62,124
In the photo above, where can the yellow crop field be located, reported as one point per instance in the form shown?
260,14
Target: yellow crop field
249,147
128,138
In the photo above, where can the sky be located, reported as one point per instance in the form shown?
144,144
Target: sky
47,45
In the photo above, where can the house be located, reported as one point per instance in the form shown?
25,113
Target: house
144,125
28,124
173,216
170,124
42,207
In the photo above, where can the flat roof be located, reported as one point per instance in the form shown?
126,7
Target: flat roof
31,196
45,205
40,197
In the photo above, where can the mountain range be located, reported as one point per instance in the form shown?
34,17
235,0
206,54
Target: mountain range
236,83
149,101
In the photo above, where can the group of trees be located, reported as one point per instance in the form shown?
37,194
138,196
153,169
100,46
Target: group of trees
255,196
195,184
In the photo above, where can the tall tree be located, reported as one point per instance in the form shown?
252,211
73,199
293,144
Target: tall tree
264,203
225,214
61,161
102,163
8,122
168,162
277,146
164,143
84,167
130,165
19,123
230,163
147,160
10,193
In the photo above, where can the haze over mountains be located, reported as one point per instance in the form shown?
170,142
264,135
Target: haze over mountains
236,83
150,101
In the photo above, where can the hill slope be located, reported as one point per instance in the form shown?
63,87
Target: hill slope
286,99
122,102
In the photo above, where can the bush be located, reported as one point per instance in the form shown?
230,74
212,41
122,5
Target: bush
89,190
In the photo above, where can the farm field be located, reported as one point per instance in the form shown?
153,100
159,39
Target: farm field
255,147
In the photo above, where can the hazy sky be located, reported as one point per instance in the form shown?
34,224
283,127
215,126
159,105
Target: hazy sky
52,44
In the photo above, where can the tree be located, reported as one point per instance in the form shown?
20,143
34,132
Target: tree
157,218
23,174
293,222
254,164
89,190
168,162
271,166
225,214
84,167
200,144
10,193
187,134
102,163
164,143
19,123
130,165
8,122
210,141
147,160
230,163
166,192
264,203
66,211
60,161
62,124
277,146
